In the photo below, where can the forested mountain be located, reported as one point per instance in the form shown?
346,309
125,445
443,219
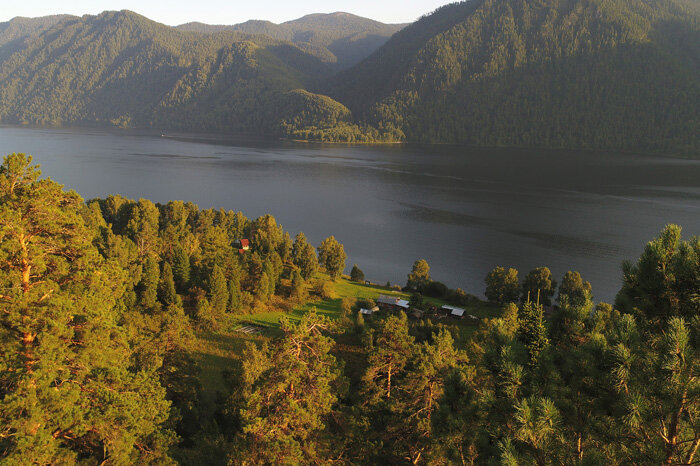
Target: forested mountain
339,38
119,68
615,74
600,74
20,28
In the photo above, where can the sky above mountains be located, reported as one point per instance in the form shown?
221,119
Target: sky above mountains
176,12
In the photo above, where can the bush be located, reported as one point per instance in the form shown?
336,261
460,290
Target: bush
357,275
436,289
323,289
364,303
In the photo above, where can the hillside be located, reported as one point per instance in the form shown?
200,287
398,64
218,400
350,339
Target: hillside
592,74
575,73
21,28
341,39
119,68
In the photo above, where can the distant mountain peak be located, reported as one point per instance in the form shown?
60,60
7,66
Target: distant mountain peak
338,38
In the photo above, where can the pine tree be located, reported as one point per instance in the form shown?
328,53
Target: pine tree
532,331
665,280
262,288
304,256
166,288
356,274
218,291
234,294
148,286
181,268
287,393
388,354
68,390
412,422
298,285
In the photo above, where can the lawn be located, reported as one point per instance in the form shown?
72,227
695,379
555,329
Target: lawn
330,308
217,352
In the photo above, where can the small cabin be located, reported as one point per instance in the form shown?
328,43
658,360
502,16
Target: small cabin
392,303
369,312
453,311
242,245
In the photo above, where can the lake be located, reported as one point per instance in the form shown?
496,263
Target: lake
464,210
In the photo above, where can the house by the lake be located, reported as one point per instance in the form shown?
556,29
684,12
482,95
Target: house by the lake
392,303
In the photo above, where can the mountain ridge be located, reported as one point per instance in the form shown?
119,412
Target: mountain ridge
584,74
339,38
571,73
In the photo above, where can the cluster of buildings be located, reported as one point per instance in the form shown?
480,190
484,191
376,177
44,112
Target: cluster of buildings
394,303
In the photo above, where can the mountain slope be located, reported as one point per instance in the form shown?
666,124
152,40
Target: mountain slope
20,28
120,68
339,38
600,74
610,74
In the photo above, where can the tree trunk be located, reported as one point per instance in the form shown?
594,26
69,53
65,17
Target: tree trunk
579,446
672,437
26,267
693,450
27,337
388,382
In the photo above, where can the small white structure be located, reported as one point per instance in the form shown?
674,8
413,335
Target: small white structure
369,312
402,303
454,311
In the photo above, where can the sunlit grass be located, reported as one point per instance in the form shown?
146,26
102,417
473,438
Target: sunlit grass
217,352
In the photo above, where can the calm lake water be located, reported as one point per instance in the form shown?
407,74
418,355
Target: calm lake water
464,210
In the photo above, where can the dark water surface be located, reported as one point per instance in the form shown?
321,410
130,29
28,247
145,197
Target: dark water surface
463,210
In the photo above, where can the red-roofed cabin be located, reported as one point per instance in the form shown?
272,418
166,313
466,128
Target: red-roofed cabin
242,245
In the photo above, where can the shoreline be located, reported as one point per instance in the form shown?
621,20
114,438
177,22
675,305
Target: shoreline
234,139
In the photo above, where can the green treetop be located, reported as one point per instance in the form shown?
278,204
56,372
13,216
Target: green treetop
68,391
419,276
539,286
304,256
287,392
502,286
332,255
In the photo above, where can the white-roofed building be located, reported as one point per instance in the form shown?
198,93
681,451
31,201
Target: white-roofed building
454,311
369,312
392,302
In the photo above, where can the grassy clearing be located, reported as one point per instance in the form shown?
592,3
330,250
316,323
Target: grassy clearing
330,308
215,354
218,352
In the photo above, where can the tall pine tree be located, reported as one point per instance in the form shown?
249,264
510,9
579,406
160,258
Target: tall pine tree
67,388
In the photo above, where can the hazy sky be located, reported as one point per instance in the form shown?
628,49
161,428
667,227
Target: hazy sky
175,12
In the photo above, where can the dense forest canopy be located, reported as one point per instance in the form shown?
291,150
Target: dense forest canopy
338,38
571,73
109,305
597,74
